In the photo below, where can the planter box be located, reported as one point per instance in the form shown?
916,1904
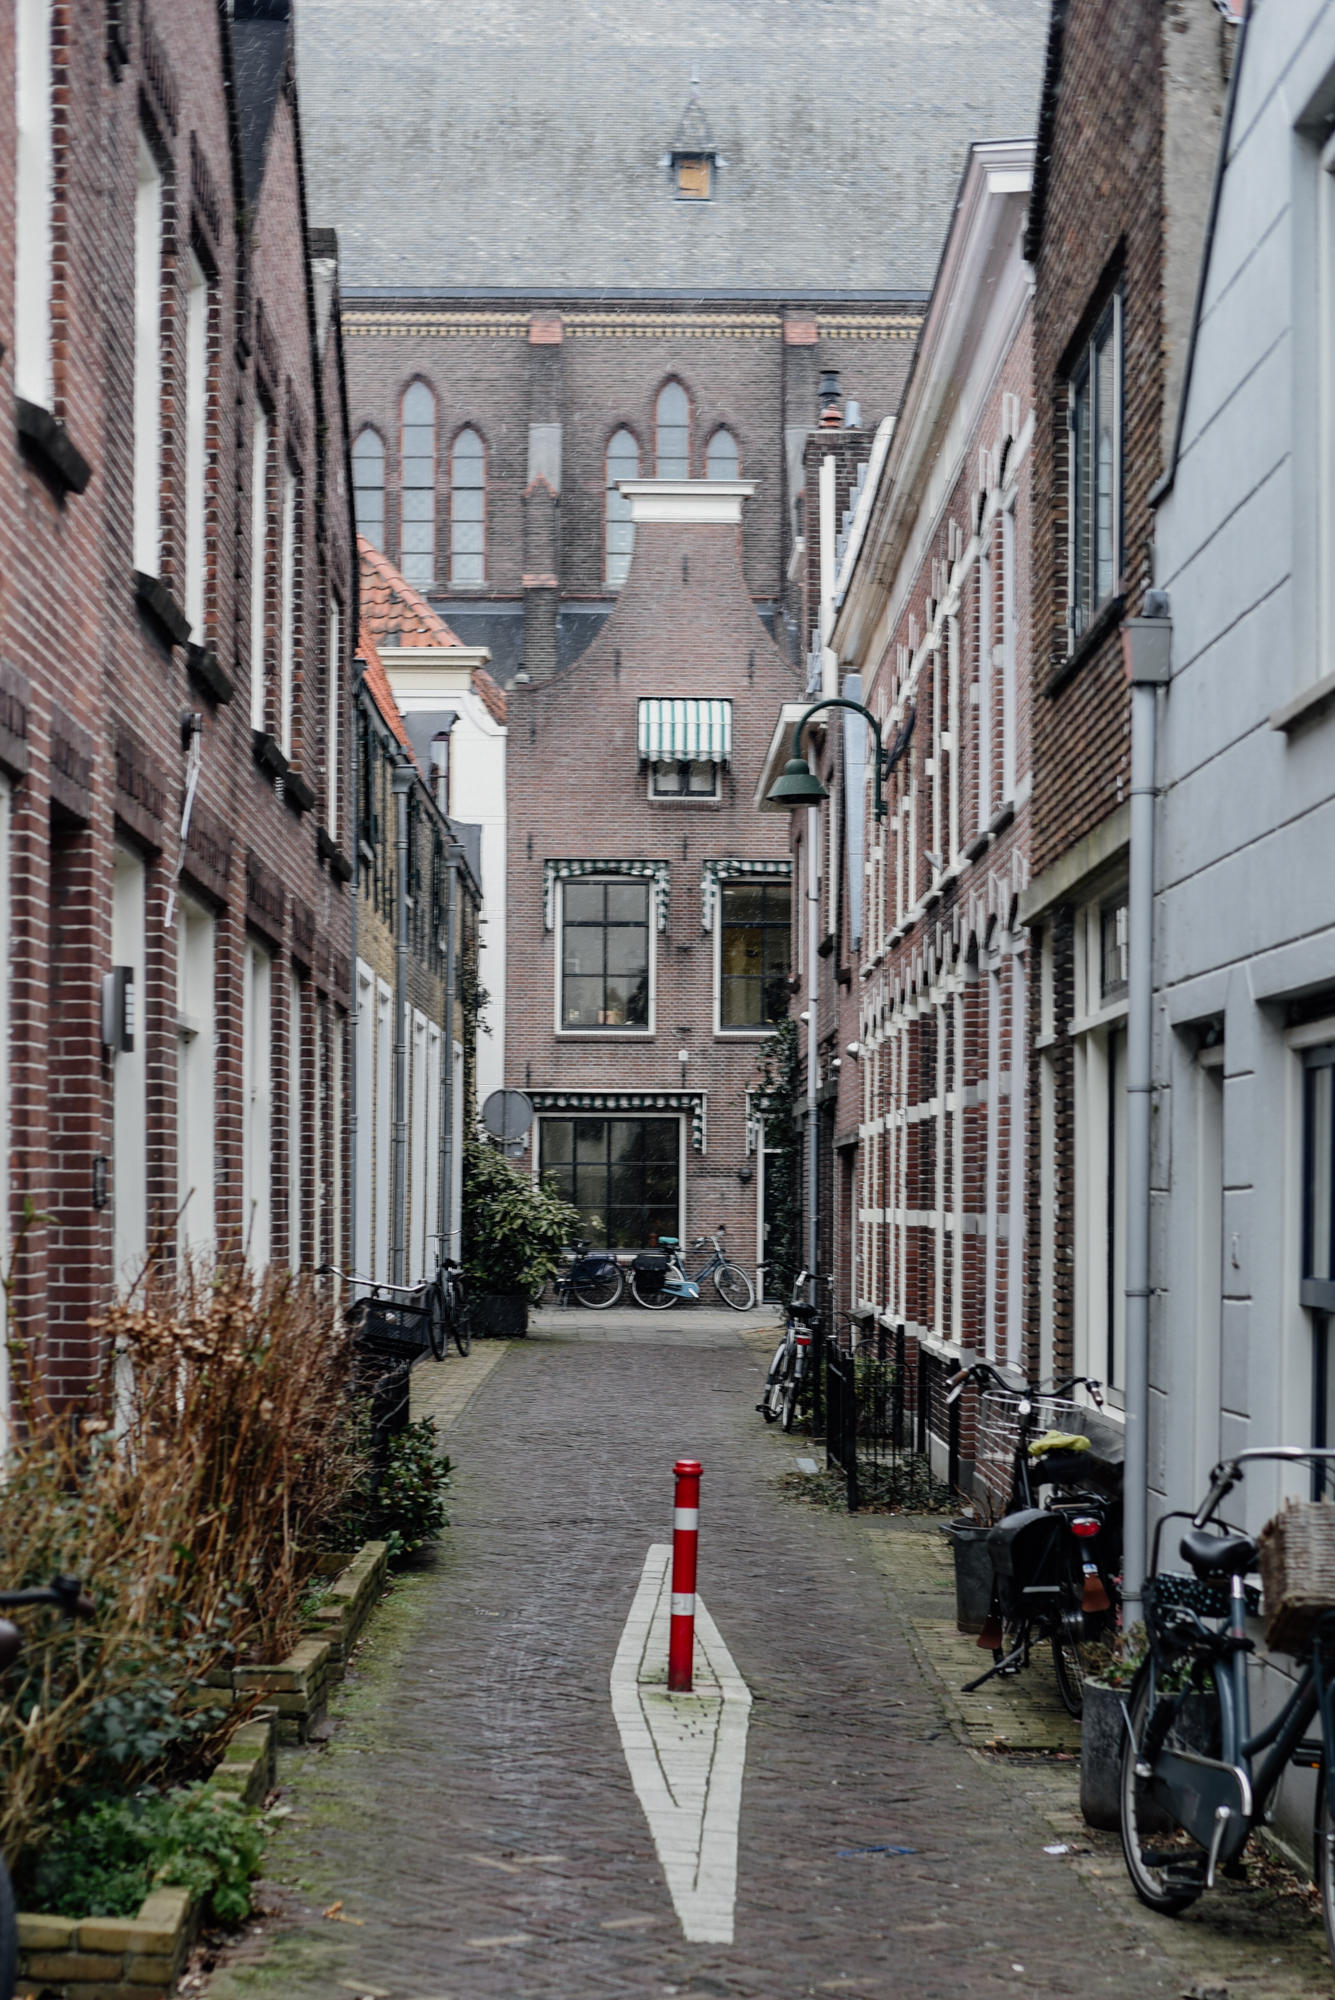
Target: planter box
1102,1732
499,1315
139,1957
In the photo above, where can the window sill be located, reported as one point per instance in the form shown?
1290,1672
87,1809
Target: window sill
329,850
47,438
1305,707
297,793
155,598
1002,818
684,801
1087,645
978,845
268,755
743,1034
605,1034
201,663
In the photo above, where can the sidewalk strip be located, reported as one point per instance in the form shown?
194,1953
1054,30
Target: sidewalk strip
686,1753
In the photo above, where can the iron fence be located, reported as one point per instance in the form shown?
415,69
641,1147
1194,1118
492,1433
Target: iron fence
876,1422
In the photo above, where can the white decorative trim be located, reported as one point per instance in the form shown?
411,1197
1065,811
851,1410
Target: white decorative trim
700,502
657,872
713,872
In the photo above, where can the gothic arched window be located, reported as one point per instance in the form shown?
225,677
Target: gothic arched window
672,433
722,460
468,509
623,462
417,532
368,486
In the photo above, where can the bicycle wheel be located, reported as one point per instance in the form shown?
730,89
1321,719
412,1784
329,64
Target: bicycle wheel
658,1301
459,1326
1069,1665
1160,1857
9,1937
787,1402
1323,1846
734,1287
601,1292
436,1329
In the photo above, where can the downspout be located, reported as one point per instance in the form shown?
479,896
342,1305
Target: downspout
447,1142
398,1228
813,972
1146,648
354,997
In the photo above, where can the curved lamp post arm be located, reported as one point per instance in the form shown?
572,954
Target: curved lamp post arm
842,701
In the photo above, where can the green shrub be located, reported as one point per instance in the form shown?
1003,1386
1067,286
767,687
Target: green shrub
515,1228
410,1503
104,1862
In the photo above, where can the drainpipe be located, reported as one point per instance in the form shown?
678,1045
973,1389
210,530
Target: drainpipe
359,1082
813,972
447,1137
1146,651
398,1228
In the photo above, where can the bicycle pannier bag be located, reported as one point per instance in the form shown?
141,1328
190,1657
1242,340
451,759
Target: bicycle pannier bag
1028,1556
651,1269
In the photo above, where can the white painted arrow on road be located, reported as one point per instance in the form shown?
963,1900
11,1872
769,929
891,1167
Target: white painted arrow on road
686,1753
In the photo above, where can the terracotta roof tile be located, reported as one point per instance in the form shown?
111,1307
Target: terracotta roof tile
379,689
394,614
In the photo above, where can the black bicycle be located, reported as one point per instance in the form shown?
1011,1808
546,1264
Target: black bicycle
1055,1565
1194,1780
408,1319
786,1382
65,1594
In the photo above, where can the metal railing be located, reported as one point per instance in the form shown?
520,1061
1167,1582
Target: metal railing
873,1434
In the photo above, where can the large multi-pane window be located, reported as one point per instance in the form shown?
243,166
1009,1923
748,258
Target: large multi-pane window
605,955
1317,1291
196,441
368,487
468,510
622,1174
672,433
34,196
623,462
754,920
147,361
417,535
259,562
722,459
1094,417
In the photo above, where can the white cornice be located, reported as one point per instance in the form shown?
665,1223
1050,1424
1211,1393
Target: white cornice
700,502
419,667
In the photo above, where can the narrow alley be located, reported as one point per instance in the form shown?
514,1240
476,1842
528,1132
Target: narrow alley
471,1822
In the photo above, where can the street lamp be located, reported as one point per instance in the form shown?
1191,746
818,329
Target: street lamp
799,785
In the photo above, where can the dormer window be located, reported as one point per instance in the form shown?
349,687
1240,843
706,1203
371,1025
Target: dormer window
693,156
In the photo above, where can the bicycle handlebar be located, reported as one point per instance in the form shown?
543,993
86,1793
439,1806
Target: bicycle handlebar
66,1593
1228,1472
988,1371
382,1284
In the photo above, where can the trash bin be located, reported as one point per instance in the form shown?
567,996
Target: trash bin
973,1574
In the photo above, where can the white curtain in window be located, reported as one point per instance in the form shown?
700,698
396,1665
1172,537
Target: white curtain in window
672,433
34,194
623,462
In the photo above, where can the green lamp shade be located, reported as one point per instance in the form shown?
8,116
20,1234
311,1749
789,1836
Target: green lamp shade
799,786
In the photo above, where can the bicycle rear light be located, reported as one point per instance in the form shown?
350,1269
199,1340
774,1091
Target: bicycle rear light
1085,1525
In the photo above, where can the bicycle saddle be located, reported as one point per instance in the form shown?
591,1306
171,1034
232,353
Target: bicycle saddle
1218,1555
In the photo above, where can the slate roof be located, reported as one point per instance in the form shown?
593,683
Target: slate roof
394,614
520,145
260,36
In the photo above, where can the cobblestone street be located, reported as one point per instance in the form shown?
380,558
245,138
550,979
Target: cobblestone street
472,1815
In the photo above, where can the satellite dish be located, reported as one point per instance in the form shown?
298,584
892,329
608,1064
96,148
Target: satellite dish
507,1115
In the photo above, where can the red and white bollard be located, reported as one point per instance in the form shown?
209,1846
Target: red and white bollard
685,1541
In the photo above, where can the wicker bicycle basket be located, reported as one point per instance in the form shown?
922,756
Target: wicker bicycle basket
1297,1572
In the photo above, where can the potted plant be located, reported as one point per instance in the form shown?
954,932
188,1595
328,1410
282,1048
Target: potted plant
1102,1730
515,1229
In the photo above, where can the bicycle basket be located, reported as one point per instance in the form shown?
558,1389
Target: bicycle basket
386,1327
999,1433
1297,1572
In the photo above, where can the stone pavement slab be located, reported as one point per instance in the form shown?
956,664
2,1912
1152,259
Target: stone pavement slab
471,1832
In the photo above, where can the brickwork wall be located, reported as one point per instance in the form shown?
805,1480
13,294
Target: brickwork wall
684,625
101,684
1101,230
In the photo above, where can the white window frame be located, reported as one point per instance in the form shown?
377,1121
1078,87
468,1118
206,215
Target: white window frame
287,616
6,950
742,881
417,1169
35,182
296,1100
363,1075
338,1028
384,1055
147,361
333,716
1099,1267
1009,682
605,1034
259,563
196,439
196,1080
431,1194
710,797
257,1109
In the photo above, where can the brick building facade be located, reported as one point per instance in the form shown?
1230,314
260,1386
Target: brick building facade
649,904
175,656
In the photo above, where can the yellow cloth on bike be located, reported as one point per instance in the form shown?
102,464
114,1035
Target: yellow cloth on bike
1058,1441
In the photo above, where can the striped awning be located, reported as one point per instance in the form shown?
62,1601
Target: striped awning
685,731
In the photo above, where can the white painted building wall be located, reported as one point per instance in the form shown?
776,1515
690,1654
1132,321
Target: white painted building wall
430,680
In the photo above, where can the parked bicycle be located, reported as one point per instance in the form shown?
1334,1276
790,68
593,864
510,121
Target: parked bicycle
1194,1782
1056,1564
591,1278
410,1318
66,1594
786,1383
658,1278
